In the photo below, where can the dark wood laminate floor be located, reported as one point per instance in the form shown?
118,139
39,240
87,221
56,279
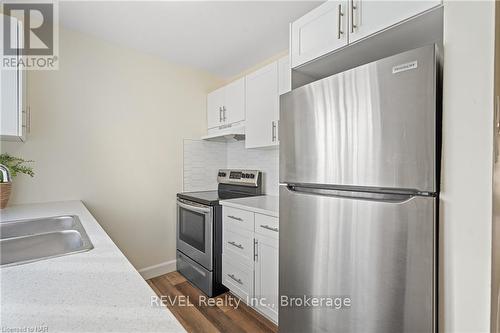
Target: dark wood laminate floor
191,307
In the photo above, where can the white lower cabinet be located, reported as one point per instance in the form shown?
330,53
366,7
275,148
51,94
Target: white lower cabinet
237,277
250,259
266,276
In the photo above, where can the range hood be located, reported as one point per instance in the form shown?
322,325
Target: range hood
236,133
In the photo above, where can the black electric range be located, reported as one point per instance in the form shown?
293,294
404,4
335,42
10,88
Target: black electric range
199,227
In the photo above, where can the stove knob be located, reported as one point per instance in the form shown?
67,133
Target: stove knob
252,176
243,175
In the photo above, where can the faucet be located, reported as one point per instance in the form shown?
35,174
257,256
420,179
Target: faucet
6,178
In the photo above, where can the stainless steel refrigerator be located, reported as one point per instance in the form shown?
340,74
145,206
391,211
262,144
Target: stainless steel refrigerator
359,164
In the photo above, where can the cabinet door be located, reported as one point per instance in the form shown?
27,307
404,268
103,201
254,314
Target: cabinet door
215,101
368,17
262,107
284,75
266,276
234,102
319,32
10,126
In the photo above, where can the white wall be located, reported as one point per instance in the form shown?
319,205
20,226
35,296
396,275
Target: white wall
108,128
467,167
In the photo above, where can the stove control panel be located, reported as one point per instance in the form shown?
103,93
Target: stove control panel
239,177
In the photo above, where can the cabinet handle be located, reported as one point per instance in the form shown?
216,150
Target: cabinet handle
255,250
269,228
339,22
274,131
220,114
239,246
235,218
27,119
27,115
353,8
224,113
235,279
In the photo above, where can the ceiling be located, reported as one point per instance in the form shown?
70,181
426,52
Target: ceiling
221,37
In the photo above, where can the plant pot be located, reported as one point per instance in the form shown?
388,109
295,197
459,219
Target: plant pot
5,189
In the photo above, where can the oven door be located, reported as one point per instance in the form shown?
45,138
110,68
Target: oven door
195,231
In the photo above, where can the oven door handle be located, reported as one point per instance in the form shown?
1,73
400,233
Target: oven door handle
193,208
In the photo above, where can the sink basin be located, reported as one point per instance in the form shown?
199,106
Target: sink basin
36,226
26,241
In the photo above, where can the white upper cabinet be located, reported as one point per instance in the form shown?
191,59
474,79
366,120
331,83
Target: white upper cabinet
234,102
252,101
319,32
13,108
226,105
368,17
335,24
284,75
215,101
262,107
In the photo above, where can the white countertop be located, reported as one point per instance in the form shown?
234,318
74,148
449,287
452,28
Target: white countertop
94,291
263,204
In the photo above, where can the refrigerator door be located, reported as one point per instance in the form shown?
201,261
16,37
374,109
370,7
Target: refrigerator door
377,250
374,125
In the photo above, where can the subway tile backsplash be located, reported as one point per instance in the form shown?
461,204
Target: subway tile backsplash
265,160
202,159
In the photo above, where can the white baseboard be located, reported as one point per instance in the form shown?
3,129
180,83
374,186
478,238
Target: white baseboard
157,270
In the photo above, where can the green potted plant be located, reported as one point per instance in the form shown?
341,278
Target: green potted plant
10,167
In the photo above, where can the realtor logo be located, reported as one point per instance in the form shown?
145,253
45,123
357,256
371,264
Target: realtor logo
30,35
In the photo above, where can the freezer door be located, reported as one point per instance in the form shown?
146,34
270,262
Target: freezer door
374,125
376,251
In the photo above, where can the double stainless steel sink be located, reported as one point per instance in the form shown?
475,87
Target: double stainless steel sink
31,240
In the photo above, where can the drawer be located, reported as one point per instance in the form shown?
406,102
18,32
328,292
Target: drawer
234,218
195,273
238,278
266,225
239,246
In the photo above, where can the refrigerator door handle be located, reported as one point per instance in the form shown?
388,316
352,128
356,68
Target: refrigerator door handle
351,194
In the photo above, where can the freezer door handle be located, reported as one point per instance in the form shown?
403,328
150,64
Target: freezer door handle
352,193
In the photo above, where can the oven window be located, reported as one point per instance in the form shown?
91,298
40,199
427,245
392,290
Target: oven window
192,228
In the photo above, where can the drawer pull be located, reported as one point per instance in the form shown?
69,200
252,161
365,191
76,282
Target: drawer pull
269,228
235,218
235,279
239,246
